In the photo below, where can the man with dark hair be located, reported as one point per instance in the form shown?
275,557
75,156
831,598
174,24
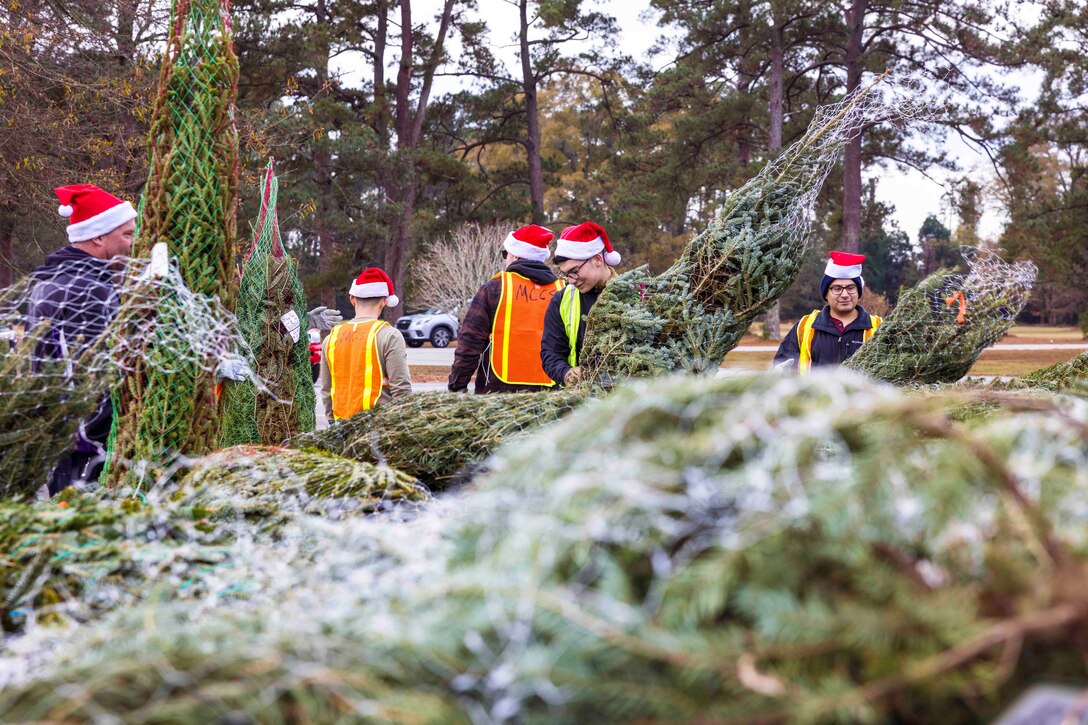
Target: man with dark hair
830,335
585,257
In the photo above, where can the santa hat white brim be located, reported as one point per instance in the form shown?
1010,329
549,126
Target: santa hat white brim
584,250
100,224
524,250
836,271
370,290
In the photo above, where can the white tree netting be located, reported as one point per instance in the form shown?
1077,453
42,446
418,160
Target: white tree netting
939,328
70,334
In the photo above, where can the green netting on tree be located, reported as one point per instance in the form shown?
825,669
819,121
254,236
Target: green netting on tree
939,327
689,317
437,436
758,549
189,203
271,310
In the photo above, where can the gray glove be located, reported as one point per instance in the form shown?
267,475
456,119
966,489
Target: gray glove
235,368
323,318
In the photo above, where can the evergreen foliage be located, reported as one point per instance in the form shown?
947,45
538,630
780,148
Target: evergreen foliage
81,554
269,294
41,404
940,327
751,549
689,317
437,437
189,203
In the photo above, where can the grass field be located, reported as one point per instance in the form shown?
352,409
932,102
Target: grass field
992,361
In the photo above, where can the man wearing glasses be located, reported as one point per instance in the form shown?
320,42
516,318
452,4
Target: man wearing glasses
830,335
585,258
499,340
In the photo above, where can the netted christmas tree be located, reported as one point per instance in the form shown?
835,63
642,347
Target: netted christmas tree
189,203
939,328
56,373
1061,376
689,317
42,401
439,437
79,555
758,549
271,310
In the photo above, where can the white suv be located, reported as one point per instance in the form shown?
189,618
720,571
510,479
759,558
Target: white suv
438,328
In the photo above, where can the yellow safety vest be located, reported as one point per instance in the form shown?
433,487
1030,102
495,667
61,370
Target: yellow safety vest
570,311
355,367
517,329
805,333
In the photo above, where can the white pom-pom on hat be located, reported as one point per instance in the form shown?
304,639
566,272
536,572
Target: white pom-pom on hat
65,210
612,258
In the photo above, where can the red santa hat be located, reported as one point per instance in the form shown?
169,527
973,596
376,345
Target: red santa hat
530,242
373,282
91,211
844,265
585,240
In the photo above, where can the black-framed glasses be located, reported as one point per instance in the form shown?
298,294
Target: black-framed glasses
573,272
839,289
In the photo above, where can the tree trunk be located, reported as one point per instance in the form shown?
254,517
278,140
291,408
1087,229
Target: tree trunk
532,120
401,181
323,163
7,260
772,319
851,172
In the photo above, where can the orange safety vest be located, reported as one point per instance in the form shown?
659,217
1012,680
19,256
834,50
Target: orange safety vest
517,329
355,367
805,333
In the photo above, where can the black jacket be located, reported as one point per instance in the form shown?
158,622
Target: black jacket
555,347
828,346
474,338
78,293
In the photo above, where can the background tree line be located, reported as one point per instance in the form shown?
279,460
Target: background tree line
395,123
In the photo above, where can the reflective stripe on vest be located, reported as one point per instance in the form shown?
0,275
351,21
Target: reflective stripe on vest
806,332
570,311
354,366
517,329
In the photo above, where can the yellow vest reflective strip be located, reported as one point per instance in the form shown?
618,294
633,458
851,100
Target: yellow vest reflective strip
517,329
570,311
805,333
876,320
354,367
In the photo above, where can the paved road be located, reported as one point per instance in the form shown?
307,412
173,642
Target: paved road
435,356
430,356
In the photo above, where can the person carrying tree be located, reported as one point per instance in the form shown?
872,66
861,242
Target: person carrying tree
364,359
830,335
76,289
585,258
500,337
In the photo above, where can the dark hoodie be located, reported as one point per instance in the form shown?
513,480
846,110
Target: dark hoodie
473,352
78,293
